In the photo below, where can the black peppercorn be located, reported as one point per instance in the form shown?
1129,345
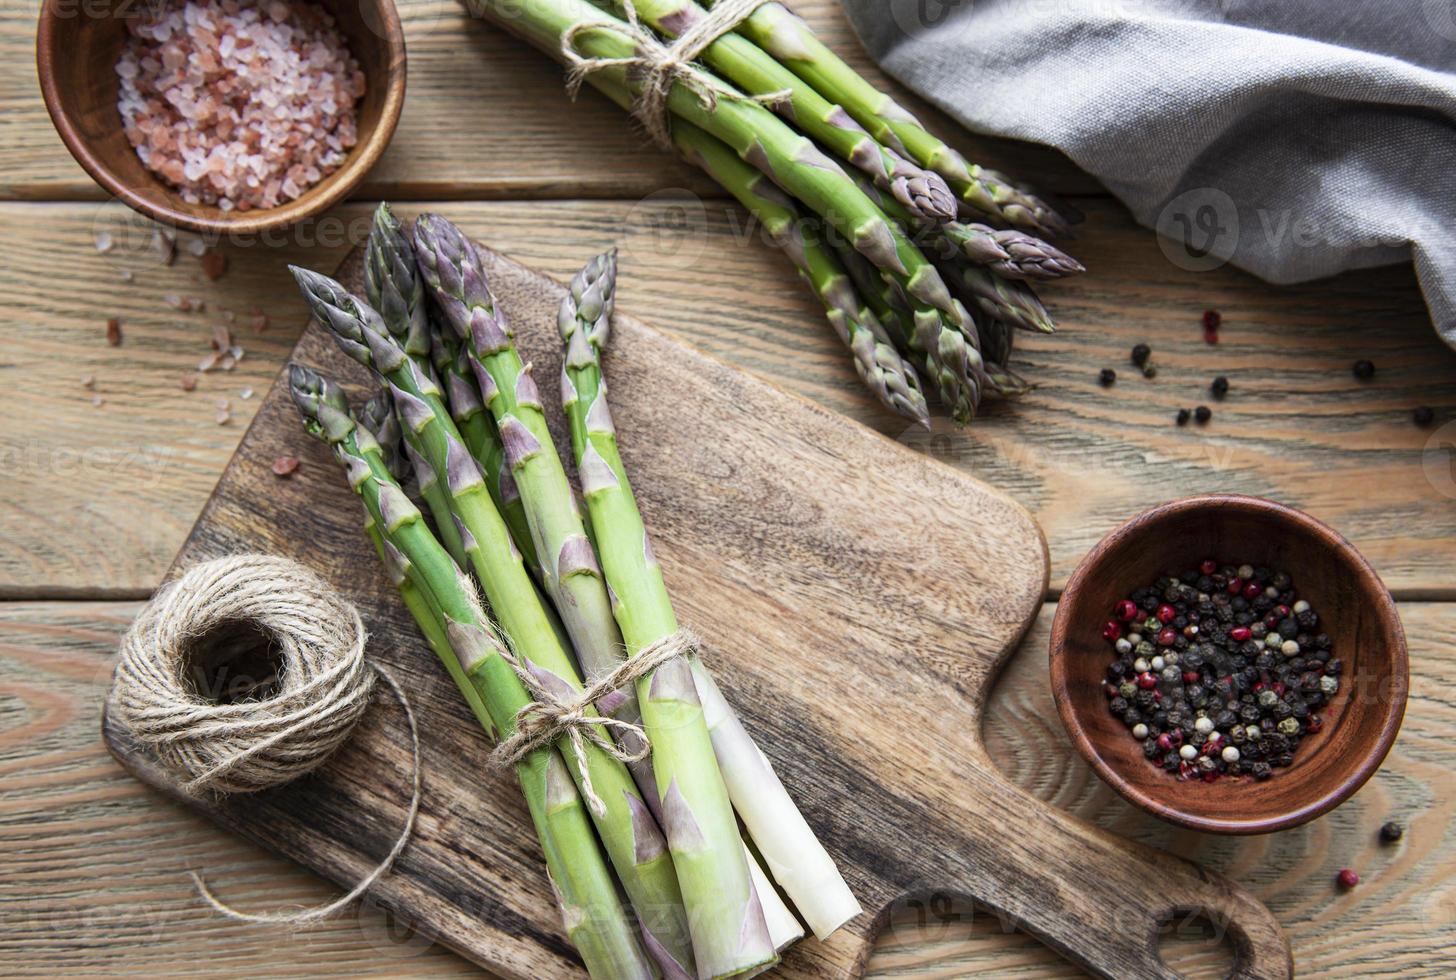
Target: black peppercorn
1107,378
1364,370
1183,416
1219,387
1202,414
1391,832
1423,416
1141,353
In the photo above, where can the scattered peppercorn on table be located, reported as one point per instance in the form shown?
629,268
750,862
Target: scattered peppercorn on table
112,448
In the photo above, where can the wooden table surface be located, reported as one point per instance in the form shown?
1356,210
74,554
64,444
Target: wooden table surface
102,482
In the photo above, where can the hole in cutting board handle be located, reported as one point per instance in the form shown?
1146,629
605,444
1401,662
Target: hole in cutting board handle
1196,945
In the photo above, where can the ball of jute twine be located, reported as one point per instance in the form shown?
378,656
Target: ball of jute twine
323,687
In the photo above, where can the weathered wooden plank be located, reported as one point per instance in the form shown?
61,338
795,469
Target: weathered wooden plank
485,118
93,865
1296,425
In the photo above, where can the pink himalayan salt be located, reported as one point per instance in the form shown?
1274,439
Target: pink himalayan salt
239,103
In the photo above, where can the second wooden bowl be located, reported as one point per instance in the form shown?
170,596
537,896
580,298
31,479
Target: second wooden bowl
1355,609
77,48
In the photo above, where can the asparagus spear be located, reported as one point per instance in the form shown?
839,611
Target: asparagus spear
883,371
790,40
796,859
478,431
591,907
922,192
800,862
952,364
726,940
633,841
431,490
1008,252
942,328
1001,299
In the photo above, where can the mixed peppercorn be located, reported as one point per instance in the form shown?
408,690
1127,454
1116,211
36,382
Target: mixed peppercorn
1219,671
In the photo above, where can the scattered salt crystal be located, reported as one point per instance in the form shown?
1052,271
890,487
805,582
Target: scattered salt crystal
246,393
89,381
196,247
126,275
209,363
188,382
97,400
103,241
164,243
222,338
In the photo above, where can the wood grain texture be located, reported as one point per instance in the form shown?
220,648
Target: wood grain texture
485,117
1296,426
93,865
860,662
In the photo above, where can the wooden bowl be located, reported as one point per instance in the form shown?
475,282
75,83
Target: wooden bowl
77,47
1355,609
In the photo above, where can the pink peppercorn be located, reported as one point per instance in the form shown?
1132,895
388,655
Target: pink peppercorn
1252,590
1190,676
1241,634
1126,610
1147,681
1208,567
1165,744
1347,878
1235,586
1112,632
1212,319
1167,637
1166,613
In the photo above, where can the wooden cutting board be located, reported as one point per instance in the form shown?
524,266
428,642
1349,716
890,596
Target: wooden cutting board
857,599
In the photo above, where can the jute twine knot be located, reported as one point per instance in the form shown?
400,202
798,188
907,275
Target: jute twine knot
656,67
323,686
550,716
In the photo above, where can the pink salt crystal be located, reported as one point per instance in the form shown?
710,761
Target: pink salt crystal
234,101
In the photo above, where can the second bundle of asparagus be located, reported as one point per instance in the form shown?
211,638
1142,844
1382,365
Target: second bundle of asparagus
636,790
921,258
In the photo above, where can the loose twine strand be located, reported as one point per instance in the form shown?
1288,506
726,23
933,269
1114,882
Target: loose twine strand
324,685
550,717
659,66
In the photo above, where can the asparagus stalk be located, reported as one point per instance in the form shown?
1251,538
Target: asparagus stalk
942,327
922,192
998,298
791,41
592,910
1008,252
796,859
632,840
952,364
478,431
726,941
893,381
461,291
377,415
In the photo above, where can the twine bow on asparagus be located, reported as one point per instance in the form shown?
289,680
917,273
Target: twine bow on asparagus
660,66
549,717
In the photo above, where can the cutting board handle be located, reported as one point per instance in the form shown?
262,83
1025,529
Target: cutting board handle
1099,899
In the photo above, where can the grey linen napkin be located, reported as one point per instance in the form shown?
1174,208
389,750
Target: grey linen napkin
1293,138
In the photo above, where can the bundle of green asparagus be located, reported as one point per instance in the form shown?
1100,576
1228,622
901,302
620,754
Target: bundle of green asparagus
638,802
838,173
